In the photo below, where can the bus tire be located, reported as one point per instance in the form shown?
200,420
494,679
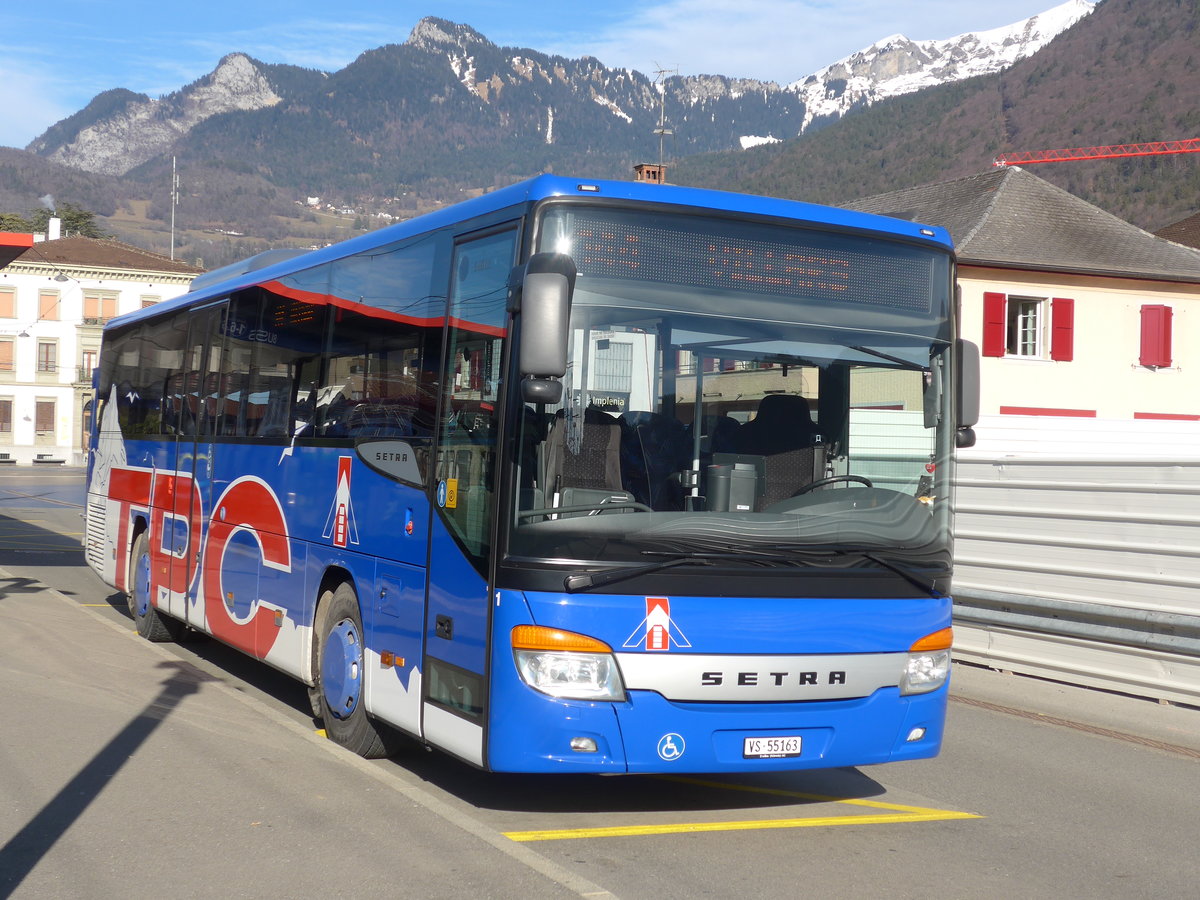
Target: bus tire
339,658
151,624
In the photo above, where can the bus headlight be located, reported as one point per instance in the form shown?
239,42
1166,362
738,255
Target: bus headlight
928,664
567,665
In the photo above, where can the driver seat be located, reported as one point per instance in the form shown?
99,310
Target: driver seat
591,473
783,433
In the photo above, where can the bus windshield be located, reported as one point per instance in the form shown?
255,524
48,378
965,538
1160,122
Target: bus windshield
737,388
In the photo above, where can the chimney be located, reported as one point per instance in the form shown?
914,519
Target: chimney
54,228
651,173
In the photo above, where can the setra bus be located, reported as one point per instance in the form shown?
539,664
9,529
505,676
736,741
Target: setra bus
588,477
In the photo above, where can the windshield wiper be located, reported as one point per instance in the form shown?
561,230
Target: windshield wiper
915,580
882,561
598,579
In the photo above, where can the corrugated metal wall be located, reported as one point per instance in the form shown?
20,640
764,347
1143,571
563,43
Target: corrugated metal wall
1078,552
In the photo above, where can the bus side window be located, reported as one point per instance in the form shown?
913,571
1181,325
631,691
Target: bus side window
379,374
271,339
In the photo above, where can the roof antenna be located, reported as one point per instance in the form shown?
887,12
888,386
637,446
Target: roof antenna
662,130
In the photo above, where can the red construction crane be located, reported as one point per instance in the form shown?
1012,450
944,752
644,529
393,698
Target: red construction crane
1112,151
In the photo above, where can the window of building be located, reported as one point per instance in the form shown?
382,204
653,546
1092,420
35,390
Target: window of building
613,366
1028,327
89,359
1024,327
8,303
47,356
99,306
6,356
6,416
149,300
48,306
44,416
1155,336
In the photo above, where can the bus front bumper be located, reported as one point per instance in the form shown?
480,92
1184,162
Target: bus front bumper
648,734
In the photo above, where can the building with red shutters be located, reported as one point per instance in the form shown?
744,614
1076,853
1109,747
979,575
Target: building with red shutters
1077,312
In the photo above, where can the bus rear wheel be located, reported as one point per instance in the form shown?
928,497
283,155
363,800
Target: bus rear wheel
338,657
151,624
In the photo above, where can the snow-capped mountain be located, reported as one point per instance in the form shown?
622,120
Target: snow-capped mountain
896,65
399,113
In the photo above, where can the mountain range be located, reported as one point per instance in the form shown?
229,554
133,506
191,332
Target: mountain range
524,91
409,126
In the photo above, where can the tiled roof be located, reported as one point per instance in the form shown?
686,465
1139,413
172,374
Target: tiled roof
1186,231
108,254
1010,218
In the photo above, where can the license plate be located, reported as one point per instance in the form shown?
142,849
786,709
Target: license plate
771,747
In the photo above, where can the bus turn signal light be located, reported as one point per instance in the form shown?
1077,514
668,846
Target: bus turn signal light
939,640
538,637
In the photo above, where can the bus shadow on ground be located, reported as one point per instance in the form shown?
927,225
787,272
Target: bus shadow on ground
234,667
636,793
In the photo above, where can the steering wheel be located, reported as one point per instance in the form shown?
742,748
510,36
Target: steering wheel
833,479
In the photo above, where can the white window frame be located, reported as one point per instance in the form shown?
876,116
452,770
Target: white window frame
1025,327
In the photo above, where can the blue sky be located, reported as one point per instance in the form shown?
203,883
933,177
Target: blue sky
56,56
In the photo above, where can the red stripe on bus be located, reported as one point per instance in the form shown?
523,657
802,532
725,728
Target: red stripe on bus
375,312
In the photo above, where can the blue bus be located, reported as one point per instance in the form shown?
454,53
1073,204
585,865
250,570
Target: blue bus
587,477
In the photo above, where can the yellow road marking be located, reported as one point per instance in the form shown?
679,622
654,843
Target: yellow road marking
933,815
898,814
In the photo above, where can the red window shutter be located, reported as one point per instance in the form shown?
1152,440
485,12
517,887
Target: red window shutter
1062,329
993,324
1156,336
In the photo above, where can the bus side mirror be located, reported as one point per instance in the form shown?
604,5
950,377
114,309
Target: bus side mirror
545,318
967,394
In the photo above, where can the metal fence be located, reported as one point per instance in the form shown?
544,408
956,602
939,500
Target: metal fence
1078,552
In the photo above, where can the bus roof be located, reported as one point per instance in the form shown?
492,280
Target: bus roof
275,264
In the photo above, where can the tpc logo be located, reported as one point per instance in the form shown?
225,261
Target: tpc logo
658,630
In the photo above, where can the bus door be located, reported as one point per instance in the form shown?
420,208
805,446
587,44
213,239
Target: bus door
200,399
457,620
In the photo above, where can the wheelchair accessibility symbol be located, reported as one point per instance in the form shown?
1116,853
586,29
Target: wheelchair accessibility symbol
670,746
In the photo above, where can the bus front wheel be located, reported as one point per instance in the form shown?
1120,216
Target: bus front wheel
151,624
338,657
